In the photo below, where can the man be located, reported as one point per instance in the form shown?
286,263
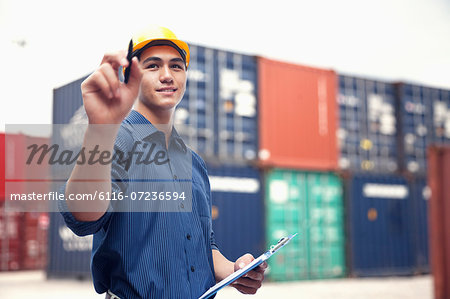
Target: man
169,252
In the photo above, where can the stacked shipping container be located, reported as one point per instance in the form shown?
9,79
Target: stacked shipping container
297,135
23,235
297,116
301,126
310,204
367,130
424,115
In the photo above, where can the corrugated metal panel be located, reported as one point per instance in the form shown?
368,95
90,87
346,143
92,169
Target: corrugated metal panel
68,254
297,118
420,195
2,167
194,117
15,149
424,115
415,119
34,240
10,253
238,210
236,107
367,130
67,100
438,180
310,204
379,226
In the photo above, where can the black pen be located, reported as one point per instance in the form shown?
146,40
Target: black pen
129,57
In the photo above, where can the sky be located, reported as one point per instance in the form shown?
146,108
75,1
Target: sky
47,43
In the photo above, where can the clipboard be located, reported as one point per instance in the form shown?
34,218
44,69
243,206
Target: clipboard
255,263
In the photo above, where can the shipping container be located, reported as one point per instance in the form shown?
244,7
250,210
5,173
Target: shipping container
439,229
237,126
15,146
23,241
379,226
10,253
67,103
34,228
2,167
238,210
68,254
297,116
424,116
367,129
310,204
218,114
420,193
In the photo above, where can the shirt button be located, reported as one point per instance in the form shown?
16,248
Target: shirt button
188,236
192,269
182,205
175,177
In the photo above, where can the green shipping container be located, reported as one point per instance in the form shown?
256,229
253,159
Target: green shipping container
310,204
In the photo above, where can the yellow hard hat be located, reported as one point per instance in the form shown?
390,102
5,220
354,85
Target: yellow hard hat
159,36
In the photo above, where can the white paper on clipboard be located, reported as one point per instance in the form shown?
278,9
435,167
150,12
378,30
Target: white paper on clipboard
255,263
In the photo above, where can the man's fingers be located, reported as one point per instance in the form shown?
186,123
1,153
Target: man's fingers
243,261
115,59
111,77
248,282
255,275
95,83
261,268
245,289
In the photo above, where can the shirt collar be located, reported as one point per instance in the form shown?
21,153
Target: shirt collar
145,129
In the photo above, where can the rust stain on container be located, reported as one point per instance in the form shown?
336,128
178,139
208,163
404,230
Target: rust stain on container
297,121
439,226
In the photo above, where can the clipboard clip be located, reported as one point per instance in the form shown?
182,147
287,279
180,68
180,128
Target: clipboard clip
281,243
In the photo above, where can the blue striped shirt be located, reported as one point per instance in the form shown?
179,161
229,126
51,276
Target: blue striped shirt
162,254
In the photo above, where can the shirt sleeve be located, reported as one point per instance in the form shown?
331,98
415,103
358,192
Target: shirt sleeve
119,183
82,228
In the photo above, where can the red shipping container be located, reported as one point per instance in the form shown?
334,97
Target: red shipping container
37,176
10,252
15,149
2,167
297,116
34,241
439,226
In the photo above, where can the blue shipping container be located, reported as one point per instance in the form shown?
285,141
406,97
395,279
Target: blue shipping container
420,194
424,116
367,133
238,210
379,225
67,101
218,114
68,254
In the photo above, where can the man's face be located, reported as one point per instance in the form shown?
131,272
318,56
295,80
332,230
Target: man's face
164,79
